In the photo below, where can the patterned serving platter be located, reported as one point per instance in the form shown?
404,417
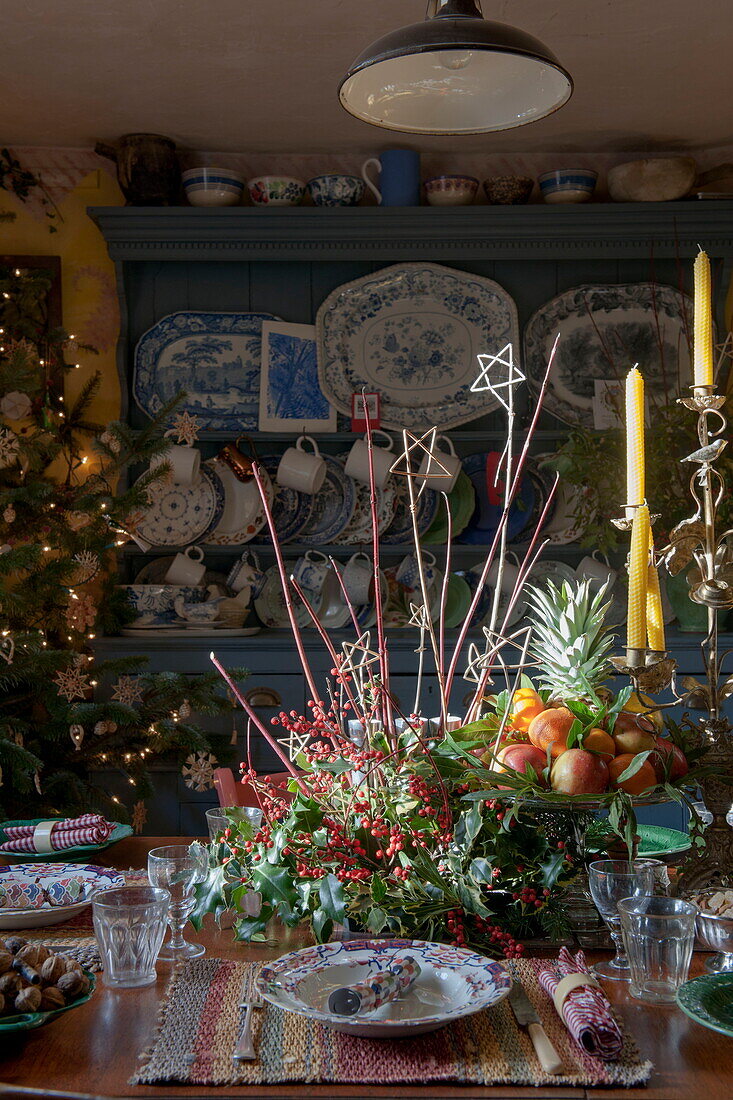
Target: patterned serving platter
333,506
412,332
454,982
603,330
291,510
708,1000
181,514
48,915
243,514
215,358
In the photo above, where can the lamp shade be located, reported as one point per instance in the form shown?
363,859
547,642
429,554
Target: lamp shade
455,73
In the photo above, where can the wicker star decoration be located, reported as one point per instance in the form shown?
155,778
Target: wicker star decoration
198,771
415,443
72,683
186,428
295,743
419,616
139,816
487,363
128,690
358,657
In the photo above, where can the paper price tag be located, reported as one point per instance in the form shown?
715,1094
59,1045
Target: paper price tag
358,417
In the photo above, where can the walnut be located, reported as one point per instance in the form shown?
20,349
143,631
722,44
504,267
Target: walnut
72,965
6,960
35,954
28,1000
52,969
86,985
52,998
13,944
71,984
10,983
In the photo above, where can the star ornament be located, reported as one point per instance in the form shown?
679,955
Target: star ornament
198,771
72,683
358,657
186,428
488,365
128,690
295,743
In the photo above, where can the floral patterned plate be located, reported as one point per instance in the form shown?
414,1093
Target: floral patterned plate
243,514
605,329
454,982
291,510
333,506
97,877
412,333
359,528
181,514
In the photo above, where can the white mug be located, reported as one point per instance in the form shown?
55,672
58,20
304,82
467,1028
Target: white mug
599,572
357,464
357,577
300,470
311,573
187,567
441,468
185,462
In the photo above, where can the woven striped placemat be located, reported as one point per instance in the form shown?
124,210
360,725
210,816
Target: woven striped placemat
200,1021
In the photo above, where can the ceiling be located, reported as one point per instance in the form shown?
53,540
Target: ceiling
237,75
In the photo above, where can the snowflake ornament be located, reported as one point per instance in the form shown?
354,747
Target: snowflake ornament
9,447
128,690
198,771
139,816
88,565
186,428
72,683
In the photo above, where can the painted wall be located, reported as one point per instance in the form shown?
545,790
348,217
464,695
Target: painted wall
89,296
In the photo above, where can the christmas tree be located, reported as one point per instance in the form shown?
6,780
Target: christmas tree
62,516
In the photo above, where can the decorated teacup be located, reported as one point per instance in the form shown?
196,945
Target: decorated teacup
154,603
335,190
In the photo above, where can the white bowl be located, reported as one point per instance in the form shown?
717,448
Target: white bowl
212,187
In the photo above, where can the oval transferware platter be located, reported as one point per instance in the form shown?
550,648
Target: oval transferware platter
412,333
454,982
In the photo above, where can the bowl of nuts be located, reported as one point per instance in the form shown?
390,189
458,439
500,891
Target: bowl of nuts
37,984
714,927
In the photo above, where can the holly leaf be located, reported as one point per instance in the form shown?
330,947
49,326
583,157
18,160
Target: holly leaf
379,888
250,928
209,897
331,894
481,870
276,886
322,926
467,828
376,921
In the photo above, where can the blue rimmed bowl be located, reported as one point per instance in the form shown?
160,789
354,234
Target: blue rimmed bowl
568,185
212,187
335,190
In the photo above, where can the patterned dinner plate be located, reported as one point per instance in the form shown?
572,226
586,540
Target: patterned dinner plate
483,524
270,603
48,915
412,333
215,358
333,506
243,514
359,528
291,510
603,330
708,1000
400,530
178,515
453,982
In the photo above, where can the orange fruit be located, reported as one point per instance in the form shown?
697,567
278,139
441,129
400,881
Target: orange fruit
550,728
598,741
642,781
526,704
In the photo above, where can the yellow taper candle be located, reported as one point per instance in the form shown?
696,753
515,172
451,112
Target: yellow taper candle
654,620
703,337
634,437
638,573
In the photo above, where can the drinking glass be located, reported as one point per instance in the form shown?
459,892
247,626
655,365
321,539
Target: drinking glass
179,868
610,880
129,924
221,817
661,873
658,934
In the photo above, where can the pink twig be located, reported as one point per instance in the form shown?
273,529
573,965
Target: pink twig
444,586
345,594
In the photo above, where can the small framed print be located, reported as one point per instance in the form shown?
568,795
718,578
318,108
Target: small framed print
290,394
358,417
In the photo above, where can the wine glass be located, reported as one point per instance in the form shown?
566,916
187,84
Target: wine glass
610,880
179,868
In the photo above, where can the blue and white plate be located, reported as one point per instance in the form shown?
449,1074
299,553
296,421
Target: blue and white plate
181,514
605,329
215,358
291,510
400,530
485,519
412,333
270,604
453,982
333,506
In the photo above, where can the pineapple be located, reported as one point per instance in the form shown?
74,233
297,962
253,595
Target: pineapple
570,642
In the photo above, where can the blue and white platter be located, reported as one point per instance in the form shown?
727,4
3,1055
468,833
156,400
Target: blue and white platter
604,329
333,506
215,358
412,333
291,510
453,983
181,514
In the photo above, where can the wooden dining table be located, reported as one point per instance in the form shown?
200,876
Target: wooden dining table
93,1050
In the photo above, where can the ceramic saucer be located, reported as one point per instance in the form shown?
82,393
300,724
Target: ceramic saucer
400,531
270,604
462,502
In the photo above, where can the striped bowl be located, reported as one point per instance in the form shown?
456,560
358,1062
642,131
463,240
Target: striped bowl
212,187
568,185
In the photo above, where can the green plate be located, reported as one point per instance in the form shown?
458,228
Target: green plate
462,501
654,840
76,854
24,1021
708,1000
457,601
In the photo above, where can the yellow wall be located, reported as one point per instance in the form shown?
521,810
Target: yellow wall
89,296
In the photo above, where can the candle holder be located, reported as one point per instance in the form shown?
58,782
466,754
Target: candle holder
650,671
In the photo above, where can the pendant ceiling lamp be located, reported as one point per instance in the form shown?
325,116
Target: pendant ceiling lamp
455,73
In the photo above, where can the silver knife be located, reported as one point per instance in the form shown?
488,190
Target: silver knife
526,1016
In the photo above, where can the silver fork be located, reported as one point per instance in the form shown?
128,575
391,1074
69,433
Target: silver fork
250,998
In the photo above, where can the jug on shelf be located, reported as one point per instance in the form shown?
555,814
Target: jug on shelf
147,168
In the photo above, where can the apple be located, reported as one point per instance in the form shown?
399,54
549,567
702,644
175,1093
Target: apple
660,760
519,756
633,733
577,771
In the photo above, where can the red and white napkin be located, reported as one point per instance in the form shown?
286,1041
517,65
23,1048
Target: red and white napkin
584,1009
87,829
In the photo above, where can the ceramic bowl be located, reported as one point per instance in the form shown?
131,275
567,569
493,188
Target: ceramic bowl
508,190
275,190
568,185
335,190
155,602
451,190
212,187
